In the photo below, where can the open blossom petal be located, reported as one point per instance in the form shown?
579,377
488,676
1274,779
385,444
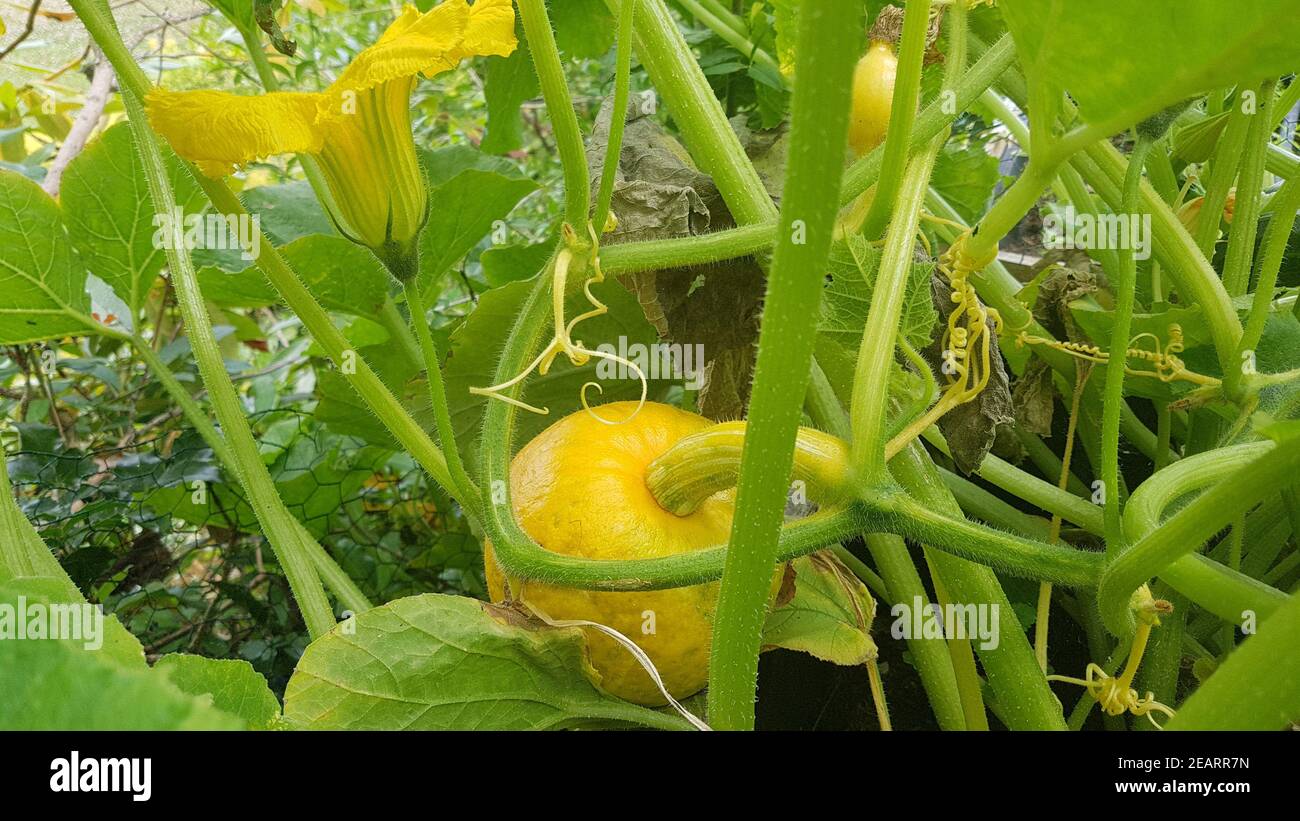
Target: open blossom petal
219,131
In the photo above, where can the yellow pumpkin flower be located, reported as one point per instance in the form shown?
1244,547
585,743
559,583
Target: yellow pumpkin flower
359,128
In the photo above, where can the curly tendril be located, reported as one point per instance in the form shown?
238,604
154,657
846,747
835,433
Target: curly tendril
583,255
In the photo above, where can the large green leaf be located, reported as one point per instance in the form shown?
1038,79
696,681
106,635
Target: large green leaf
508,82
110,215
284,213
233,685
53,685
583,28
827,615
462,210
435,662
1124,62
344,277
64,684
42,286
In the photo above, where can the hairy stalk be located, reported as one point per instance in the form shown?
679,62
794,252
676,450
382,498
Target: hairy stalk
437,391
1250,179
1155,553
1255,688
869,409
828,42
1018,685
1124,284
1223,172
1045,589
617,114
716,149
559,105
733,35
898,137
349,595
1285,205
933,661
281,529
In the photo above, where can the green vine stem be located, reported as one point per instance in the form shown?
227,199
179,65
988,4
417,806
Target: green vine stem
1017,682
1148,502
725,26
668,59
1250,179
933,661
559,105
349,595
1124,285
1285,205
290,287
1255,688
280,528
1224,163
634,257
1183,532
704,463
618,114
869,408
827,48
898,136
437,391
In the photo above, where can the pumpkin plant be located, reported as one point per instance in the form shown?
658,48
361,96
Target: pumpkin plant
1102,443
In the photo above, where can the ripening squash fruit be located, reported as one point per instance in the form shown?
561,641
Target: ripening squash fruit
873,94
579,489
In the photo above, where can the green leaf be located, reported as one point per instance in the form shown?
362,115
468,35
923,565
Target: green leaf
232,684
475,344
965,176
42,287
503,264
828,615
116,642
462,211
508,82
1122,64
284,212
344,277
110,215
583,28
52,685
435,662
853,266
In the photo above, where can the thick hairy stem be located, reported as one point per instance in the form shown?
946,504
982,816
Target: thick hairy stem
1186,530
1124,284
828,43
559,105
869,409
898,137
277,524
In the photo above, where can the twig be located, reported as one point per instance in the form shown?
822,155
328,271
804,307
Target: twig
101,88
26,32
